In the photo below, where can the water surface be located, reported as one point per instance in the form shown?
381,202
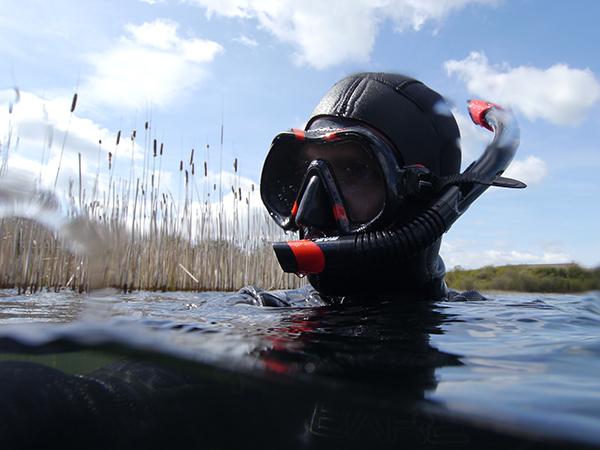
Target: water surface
193,369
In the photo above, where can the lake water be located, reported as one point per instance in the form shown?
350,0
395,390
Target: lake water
191,370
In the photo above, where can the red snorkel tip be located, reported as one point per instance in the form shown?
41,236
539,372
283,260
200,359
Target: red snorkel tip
478,109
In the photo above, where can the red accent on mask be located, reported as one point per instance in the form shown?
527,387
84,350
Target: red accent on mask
339,212
298,133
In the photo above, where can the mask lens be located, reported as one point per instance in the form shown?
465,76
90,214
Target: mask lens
359,179
283,174
357,174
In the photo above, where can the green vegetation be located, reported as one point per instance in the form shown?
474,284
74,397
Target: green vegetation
526,278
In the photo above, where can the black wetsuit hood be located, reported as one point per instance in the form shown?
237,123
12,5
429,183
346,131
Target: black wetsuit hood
413,117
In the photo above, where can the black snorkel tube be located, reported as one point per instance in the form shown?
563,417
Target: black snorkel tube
379,248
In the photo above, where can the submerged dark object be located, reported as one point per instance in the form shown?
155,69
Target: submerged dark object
373,184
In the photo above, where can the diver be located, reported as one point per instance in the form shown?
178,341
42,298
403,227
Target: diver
371,185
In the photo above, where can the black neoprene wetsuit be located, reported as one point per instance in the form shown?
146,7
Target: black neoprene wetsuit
307,296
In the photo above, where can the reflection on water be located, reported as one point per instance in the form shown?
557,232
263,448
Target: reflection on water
194,370
530,362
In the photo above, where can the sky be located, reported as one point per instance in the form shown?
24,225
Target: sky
253,68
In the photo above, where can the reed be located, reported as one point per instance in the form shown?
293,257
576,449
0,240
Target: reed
139,237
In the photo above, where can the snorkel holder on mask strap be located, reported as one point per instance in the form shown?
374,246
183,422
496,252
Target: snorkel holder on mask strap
454,195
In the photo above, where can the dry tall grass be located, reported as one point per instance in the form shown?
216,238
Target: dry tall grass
139,237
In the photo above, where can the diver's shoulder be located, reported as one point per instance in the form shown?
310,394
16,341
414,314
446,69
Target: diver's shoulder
300,297
466,296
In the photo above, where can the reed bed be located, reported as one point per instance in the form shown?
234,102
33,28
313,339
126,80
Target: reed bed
135,235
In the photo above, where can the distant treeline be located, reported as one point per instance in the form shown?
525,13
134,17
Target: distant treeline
526,278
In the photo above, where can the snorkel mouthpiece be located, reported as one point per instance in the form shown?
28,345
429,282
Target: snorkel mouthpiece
381,248
314,256
303,257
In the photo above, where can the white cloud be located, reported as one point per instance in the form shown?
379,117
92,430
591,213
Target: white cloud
463,254
416,13
340,31
151,64
473,139
41,126
233,8
247,41
531,170
560,94
160,34
229,183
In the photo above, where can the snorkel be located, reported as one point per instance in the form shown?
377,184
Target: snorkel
382,248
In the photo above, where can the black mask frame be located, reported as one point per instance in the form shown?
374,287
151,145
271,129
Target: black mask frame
284,179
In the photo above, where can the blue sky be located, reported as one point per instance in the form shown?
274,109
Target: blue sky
263,65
